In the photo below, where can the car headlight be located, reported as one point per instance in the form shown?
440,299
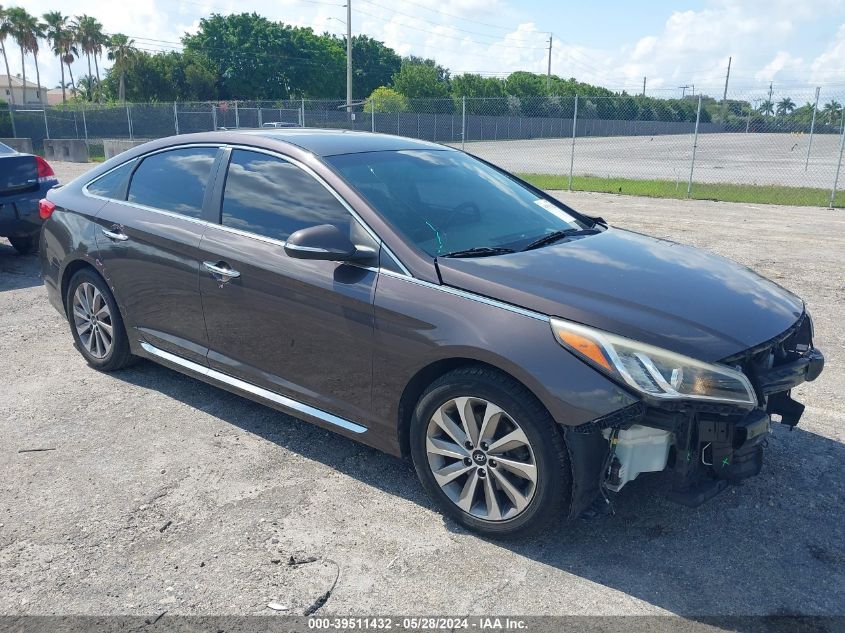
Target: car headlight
656,372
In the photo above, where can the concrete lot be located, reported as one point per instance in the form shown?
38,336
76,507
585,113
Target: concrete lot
758,159
161,493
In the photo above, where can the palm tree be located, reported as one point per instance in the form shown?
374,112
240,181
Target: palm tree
122,52
26,31
767,107
91,38
58,33
68,58
831,111
785,106
6,31
82,26
85,87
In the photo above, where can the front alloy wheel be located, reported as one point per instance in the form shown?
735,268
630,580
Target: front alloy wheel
481,458
489,453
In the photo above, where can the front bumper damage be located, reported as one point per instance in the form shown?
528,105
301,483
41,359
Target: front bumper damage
707,446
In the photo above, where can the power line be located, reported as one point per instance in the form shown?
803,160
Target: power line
439,24
453,37
457,17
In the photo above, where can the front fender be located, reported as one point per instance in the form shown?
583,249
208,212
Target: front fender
417,324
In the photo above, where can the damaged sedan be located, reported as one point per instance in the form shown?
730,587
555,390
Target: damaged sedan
527,357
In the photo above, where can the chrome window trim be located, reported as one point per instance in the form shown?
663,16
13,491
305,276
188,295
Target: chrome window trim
469,295
276,154
248,387
139,158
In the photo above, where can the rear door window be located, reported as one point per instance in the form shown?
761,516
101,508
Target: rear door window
174,180
269,196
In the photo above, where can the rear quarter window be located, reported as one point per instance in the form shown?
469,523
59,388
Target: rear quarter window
112,184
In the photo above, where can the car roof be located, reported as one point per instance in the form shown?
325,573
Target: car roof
333,142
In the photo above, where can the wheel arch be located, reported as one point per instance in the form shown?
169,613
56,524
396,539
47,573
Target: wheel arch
427,375
70,269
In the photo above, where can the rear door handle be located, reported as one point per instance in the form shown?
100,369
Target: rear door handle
223,271
117,236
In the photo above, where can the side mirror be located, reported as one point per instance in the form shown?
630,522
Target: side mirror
325,241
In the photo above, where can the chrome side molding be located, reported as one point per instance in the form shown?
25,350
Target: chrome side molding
290,404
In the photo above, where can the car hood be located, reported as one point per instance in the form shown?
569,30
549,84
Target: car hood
652,290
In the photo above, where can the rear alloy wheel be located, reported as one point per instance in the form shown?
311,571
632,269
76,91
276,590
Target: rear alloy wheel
92,320
23,245
489,453
95,322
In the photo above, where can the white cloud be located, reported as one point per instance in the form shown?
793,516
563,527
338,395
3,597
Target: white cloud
764,37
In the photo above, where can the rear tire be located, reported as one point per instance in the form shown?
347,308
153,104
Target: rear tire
95,322
507,478
23,245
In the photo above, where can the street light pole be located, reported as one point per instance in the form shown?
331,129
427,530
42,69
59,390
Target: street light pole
348,56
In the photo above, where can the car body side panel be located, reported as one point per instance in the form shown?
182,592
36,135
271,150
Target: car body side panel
68,236
154,275
418,324
298,327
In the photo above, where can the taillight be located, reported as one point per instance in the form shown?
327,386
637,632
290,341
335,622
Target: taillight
45,172
45,208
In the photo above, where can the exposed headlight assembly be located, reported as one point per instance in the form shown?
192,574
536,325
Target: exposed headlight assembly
653,371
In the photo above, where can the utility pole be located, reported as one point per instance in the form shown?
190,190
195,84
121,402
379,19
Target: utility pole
770,96
725,94
348,56
549,69
683,90
643,86
727,77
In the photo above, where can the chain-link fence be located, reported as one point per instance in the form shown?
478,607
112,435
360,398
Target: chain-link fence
748,148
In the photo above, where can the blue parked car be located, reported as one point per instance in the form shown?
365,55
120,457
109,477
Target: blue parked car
24,180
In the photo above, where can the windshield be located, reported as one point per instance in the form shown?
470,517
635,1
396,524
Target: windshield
446,202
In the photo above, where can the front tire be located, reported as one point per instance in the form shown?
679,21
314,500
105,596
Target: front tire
95,322
489,454
23,245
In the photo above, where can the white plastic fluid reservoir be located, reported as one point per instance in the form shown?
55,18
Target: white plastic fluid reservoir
640,449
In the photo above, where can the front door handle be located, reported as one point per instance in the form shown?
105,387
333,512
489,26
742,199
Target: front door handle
117,236
223,271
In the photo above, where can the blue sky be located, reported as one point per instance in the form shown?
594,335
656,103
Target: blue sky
796,45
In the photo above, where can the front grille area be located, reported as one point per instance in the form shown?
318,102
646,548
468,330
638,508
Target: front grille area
787,347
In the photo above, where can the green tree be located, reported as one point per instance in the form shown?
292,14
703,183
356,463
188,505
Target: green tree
767,107
374,64
89,34
384,99
785,106
525,85
26,30
420,81
170,76
485,95
60,36
6,31
122,52
254,58
832,112
86,87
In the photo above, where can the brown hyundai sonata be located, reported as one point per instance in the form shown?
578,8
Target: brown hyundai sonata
527,357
